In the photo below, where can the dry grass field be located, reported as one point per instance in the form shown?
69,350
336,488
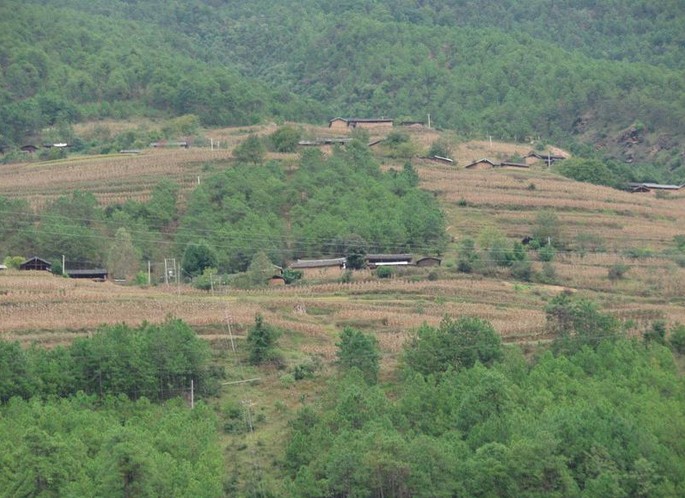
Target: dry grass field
598,225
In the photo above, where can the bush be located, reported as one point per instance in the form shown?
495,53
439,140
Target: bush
439,148
617,271
676,339
657,333
546,253
548,274
522,270
384,272
285,139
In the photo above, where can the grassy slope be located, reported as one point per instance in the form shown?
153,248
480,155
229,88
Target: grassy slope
50,310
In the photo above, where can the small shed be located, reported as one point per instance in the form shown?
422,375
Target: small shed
28,148
428,261
2,267
36,263
480,164
98,274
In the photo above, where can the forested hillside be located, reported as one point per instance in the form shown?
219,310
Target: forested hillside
605,74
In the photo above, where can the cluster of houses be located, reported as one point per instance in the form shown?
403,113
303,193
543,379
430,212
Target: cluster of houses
528,160
333,267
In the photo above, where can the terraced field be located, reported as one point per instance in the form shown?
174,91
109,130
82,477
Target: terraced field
599,226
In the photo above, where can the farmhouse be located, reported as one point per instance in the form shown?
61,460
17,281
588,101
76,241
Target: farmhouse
98,274
480,164
347,123
36,263
511,164
549,158
319,268
648,187
376,260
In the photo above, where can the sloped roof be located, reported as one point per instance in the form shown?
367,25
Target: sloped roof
480,161
317,263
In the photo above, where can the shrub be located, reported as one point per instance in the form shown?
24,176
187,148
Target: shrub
522,270
657,333
676,339
547,253
617,271
384,272
548,274
285,139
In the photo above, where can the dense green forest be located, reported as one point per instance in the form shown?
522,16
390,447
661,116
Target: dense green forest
594,414
105,416
580,73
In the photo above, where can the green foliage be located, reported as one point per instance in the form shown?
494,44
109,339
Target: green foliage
261,269
207,280
617,271
440,148
360,351
578,322
250,150
468,255
384,272
547,230
453,345
152,361
656,333
598,422
587,170
89,447
197,257
676,338
291,276
546,253
13,262
285,139
261,342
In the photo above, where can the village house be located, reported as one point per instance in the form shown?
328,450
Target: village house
319,268
343,124
36,263
480,164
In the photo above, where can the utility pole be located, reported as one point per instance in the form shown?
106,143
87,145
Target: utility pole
429,120
64,270
192,394
149,273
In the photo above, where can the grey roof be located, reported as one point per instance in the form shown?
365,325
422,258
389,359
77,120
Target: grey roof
317,263
656,186
388,257
480,161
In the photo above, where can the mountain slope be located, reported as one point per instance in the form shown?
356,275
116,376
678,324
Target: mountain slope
581,72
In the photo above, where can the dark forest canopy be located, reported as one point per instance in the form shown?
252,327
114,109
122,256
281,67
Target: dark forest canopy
581,71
